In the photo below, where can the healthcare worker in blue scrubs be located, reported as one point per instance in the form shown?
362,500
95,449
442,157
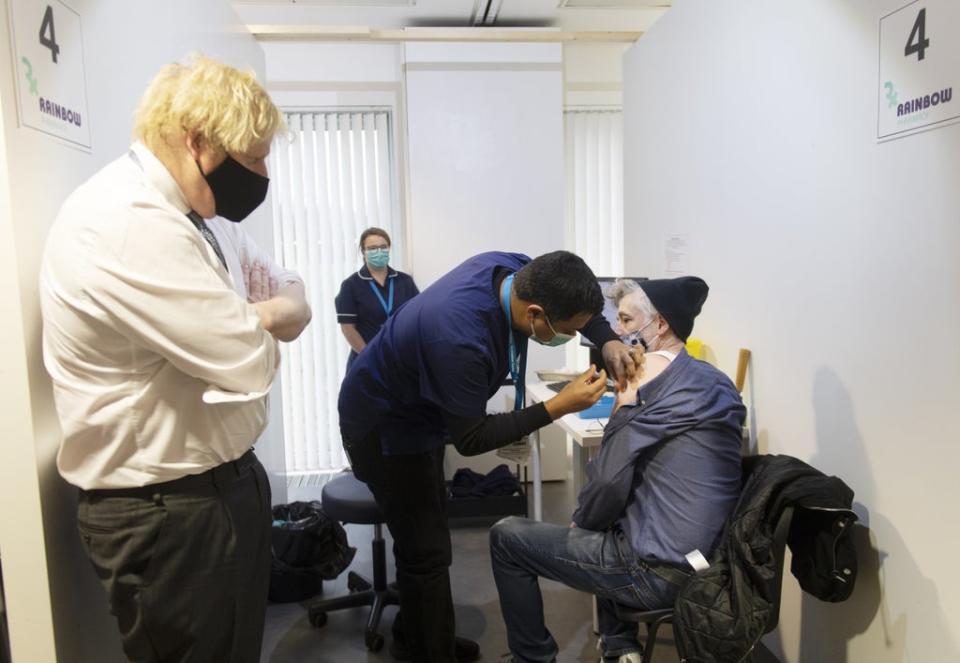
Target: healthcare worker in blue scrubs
371,295
425,380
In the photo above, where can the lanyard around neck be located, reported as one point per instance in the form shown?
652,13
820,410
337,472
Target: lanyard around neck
518,359
388,303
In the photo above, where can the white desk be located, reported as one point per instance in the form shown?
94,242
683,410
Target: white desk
586,434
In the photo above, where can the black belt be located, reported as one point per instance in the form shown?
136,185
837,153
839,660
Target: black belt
192,483
672,573
669,572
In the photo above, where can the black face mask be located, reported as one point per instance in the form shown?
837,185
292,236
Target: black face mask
237,190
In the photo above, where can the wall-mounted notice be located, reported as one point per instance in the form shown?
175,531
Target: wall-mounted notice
676,255
919,67
51,82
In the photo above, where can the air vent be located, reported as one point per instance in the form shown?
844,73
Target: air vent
485,12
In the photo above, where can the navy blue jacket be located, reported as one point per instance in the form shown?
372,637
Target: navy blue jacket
441,355
668,471
444,351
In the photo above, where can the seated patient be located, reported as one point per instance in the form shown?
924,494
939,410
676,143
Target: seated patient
664,482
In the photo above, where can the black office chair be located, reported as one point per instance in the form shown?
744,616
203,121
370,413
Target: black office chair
348,500
654,619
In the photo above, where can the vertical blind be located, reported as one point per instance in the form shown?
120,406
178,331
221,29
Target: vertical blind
594,196
332,178
594,149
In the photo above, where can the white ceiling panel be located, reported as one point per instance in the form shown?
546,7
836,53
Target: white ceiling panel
331,3
590,15
614,4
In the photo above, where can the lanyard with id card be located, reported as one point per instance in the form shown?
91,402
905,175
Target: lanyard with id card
518,451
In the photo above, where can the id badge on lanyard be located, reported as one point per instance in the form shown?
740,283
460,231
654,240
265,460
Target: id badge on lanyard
518,356
388,303
519,451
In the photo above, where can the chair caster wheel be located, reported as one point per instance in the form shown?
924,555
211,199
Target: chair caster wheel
374,641
318,619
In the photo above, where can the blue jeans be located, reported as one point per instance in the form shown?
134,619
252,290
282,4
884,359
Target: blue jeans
600,563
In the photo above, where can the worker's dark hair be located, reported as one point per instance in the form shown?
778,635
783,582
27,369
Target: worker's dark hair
379,232
561,283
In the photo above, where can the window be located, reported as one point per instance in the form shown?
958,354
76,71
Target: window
594,149
332,179
594,188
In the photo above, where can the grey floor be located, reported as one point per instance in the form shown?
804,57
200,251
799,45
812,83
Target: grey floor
289,637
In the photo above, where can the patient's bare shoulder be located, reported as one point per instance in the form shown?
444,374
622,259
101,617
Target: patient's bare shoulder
653,365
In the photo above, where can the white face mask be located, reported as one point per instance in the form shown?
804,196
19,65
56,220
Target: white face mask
636,337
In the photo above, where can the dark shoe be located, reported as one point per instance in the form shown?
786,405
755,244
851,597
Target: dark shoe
466,650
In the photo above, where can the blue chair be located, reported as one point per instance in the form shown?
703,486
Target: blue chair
348,500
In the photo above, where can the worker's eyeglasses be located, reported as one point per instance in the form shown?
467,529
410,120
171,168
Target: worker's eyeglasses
370,249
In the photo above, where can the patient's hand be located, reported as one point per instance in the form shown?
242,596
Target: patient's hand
624,361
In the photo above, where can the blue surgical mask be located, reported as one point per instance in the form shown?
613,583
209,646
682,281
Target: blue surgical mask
378,257
557,339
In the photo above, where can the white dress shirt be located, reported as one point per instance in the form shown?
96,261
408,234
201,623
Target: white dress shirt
160,369
239,248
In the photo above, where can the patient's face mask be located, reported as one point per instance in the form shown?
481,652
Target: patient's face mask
636,337
557,339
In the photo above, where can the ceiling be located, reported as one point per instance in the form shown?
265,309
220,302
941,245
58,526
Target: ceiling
567,15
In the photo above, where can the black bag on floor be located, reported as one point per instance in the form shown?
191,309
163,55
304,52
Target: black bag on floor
308,547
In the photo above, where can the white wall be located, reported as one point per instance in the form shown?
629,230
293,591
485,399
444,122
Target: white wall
485,135
485,164
750,126
57,610
485,138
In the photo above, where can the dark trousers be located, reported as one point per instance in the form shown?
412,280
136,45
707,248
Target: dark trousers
185,563
412,494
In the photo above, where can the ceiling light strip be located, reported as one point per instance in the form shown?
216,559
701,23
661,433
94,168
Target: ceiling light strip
348,33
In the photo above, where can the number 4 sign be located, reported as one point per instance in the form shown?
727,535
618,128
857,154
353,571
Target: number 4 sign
51,82
919,68
47,36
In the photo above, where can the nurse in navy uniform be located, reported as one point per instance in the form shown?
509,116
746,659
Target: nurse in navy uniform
371,295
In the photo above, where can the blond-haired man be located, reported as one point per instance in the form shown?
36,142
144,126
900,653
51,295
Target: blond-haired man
161,368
